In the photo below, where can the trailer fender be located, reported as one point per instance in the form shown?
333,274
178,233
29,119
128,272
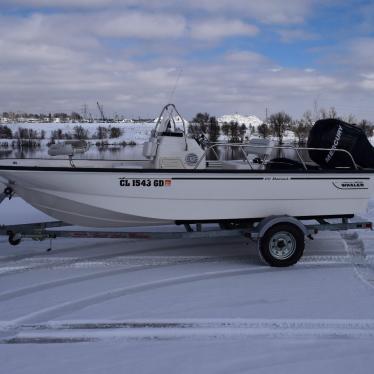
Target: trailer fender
259,231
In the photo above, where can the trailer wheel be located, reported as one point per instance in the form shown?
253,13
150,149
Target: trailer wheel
8,191
282,245
13,238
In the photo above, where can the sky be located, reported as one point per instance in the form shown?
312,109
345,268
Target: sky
215,56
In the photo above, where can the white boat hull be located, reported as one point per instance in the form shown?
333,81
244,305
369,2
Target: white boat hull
103,198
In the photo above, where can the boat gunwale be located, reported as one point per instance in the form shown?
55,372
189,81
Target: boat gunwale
117,170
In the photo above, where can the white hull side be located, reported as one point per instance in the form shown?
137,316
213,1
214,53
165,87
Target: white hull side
81,214
98,199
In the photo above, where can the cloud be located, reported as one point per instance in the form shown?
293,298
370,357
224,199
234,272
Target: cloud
247,57
130,58
302,81
213,29
269,11
142,25
367,81
35,53
61,3
66,30
361,52
292,35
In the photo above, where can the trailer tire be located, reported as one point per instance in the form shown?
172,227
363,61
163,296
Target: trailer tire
8,191
282,245
13,238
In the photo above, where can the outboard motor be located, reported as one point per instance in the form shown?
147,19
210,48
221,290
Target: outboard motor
335,134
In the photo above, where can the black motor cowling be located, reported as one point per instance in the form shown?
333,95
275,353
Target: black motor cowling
335,134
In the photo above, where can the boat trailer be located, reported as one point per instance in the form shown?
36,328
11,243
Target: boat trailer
281,239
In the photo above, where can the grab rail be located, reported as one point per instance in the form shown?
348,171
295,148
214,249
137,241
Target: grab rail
241,146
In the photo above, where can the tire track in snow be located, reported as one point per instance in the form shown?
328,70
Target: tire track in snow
103,242
49,313
362,266
15,267
65,331
56,262
173,261
177,260
58,310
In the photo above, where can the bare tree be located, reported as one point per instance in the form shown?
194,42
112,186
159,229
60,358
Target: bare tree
234,132
5,132
279,123
302,127
203,123
115,132
351,119
332,113
202,120
367,127
102,132
264,130
58,134
213,129
242,131
226,129
80,132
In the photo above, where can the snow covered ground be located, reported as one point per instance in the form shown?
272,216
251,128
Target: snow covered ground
197,306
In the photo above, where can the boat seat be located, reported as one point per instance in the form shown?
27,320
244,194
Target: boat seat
150,148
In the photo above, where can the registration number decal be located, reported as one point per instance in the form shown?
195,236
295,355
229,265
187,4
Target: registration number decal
149,182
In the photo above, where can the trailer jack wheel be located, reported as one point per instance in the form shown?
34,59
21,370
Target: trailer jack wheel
282,245
14,238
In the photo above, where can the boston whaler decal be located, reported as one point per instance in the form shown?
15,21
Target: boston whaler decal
350,185
146,182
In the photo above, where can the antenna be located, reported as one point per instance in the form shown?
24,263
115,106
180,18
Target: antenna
175,85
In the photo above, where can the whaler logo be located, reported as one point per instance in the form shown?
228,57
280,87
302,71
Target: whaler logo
350,185
191,159
335,144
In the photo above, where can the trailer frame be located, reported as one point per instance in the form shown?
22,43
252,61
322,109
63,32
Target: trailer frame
272,243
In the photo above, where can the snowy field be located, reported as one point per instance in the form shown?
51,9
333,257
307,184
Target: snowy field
197,306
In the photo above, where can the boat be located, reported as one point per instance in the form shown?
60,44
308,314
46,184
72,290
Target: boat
179,181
